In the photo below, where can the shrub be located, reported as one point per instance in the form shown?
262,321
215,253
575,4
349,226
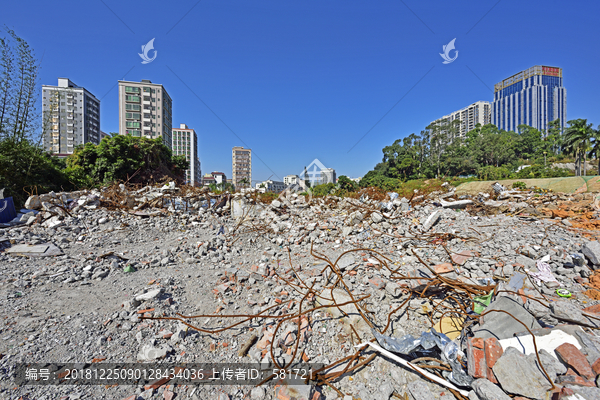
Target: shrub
519,185
26,168
491,173
539,171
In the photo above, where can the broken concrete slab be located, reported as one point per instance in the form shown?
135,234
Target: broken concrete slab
456,205
591,250
552,366
151,294
486,390
496,323
518,375
567,311
39,250
433,218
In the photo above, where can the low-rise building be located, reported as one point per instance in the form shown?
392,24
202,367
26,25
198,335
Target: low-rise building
220,177
270,186
290,180
216,178
207,179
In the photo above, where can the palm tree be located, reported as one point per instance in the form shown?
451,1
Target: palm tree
595,147
577,141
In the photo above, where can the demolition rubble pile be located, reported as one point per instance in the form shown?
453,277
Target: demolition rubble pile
439,296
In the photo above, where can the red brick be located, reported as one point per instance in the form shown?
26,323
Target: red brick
377,283
476,358
477,343
266,339
593,309
443,268
575,359
157,383
596,366
493,351
461,257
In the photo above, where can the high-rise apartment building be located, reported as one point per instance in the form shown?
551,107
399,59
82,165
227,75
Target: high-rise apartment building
476,113
328,175
185,143
145,110
71,116
241,167
532,97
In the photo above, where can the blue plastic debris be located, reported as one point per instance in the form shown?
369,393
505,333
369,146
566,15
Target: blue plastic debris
7,210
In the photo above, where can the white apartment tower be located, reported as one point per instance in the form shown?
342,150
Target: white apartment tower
71,116
145,110
241,167
476,113
185,143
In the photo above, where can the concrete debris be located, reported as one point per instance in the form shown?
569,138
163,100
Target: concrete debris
40,250
455,205
520,375
497,323
159,274
592,251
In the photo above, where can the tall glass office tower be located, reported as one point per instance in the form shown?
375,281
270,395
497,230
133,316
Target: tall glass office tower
532,97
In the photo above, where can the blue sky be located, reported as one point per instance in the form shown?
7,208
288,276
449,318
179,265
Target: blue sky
299,80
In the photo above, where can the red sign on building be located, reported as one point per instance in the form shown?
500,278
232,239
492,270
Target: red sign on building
551,71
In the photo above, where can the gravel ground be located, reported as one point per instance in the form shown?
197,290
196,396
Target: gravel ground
81,307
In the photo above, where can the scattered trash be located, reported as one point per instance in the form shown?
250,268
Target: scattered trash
481,302
563,293
544,274
498,187
7,210
129,268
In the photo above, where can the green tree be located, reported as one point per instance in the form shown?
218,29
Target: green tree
440,135
126,158
347,184
19,71
244,183
25,168
577,141
555,137
595,147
